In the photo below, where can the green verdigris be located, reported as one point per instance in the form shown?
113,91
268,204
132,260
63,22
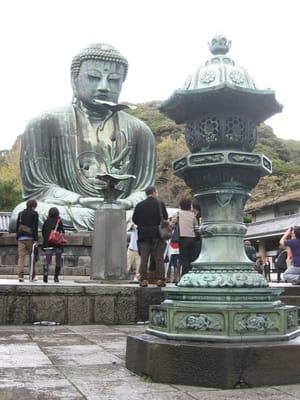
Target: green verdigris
64,149
222,298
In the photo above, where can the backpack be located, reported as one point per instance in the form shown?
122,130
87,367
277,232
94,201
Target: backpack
280,261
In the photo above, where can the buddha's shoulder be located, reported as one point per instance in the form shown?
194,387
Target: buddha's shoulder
55,114
133,121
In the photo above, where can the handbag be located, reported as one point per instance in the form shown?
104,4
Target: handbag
175,232
165,229
57,238
24,229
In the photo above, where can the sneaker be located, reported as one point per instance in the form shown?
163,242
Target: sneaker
144,283
160,283
45,278
21,277
56,280
34,279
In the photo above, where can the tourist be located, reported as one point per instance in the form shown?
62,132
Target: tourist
133,256
198,243
259,265
52,222
27,236
173,255
291,239
187,236
64,149
281,263
250,250
267,269
147,217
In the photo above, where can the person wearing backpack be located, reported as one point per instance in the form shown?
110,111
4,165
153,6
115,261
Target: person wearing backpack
27,235
280,263
250,250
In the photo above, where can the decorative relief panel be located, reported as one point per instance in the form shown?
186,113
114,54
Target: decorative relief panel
244,158
256,322
207,159
238,229
200,322
238,279
237,77
292,319
208,77
158,318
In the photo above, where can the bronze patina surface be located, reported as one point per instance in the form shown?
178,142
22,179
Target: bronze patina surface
65,148
222,298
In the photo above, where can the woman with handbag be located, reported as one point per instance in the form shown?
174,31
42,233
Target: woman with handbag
53,234
187,224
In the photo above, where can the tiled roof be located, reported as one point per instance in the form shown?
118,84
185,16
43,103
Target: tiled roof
272,227
269,201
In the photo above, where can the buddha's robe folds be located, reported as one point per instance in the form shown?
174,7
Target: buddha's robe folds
50,171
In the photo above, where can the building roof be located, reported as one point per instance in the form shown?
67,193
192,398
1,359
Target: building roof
271,227
276,199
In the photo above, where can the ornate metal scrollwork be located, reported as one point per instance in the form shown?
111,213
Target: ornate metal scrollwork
223,279
258,322
292,319
244,158
208,77
201,322
158,318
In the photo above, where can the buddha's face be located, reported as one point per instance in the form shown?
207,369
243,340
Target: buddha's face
98,80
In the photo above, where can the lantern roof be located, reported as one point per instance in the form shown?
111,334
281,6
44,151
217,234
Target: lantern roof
220,84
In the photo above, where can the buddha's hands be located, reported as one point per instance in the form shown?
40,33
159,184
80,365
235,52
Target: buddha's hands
91,202
125,204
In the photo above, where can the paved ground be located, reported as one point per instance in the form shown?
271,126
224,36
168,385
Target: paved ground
87,362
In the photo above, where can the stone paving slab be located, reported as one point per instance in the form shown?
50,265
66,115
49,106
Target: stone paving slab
36,383
87,362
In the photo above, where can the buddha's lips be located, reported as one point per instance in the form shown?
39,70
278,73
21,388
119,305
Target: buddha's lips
112,105
106,103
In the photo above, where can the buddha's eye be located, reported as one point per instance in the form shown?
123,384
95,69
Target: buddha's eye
114,76
94,75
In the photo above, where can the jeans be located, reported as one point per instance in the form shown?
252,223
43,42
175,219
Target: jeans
58,256
291,273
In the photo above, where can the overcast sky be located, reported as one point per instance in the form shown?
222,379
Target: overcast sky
163,40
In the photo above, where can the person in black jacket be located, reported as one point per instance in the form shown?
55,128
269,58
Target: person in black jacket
281,263
147,216
250,250
27,235
50,224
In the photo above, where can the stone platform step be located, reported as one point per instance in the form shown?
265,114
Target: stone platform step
75,301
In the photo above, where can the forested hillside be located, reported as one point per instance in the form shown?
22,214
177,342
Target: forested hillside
285,155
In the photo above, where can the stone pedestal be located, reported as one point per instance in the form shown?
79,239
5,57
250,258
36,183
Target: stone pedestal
109,244
218,365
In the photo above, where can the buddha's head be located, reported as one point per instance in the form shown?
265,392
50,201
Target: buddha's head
97,73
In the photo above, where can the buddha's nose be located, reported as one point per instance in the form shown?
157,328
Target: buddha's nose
103,86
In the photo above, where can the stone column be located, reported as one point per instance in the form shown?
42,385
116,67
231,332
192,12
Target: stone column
109,244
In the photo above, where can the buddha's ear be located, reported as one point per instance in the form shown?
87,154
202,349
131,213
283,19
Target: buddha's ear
74,85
